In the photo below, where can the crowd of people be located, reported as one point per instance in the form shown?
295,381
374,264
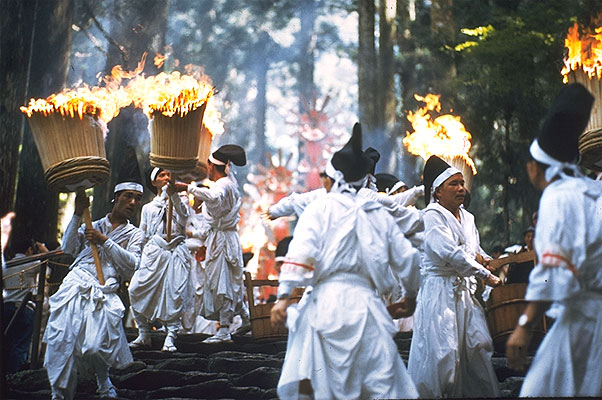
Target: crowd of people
365,256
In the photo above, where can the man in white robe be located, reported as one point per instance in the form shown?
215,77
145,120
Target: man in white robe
347,247
450,354
568,275
159,289
85,329
224,289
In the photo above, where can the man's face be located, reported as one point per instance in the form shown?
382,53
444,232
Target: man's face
529,240
452,192
211,171
326,181
127,203
161,180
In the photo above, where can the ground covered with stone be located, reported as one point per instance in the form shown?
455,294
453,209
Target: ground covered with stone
244,369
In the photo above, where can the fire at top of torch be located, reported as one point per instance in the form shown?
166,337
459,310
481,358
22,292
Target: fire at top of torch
444,136
584,51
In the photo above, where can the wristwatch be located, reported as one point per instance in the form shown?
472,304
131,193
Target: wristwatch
523,321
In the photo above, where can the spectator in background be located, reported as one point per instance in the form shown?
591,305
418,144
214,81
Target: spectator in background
18,286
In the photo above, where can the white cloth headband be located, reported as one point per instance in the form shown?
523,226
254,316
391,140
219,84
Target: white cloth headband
154,173
215,160
555,167
443,176
397,186
129,186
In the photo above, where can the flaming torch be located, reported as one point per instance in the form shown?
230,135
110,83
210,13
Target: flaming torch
69,130
175,105
583,64
444,136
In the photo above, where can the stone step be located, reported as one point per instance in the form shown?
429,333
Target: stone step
243,369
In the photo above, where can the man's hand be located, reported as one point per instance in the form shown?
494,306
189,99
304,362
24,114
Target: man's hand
405,308
269,216
94,236
81,203
181,186
516,348
278,313
492,280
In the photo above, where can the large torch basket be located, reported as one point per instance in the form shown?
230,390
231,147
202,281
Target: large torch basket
72,150
175,140
590,142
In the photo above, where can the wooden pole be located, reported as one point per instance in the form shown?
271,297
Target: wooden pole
88,222
169,210
37,318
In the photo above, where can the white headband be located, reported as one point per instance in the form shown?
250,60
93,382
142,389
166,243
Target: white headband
555,167
129,186
443,176
397,186
215,160
154,173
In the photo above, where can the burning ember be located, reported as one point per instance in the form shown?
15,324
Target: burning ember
584,51
445,136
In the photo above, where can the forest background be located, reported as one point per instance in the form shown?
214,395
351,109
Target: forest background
278,64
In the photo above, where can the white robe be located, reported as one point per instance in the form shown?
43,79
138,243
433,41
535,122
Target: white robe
568,240
451,349
340,334
84,328
295,203
159,288
223,291
192,321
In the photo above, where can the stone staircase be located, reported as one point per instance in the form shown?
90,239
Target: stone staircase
244,369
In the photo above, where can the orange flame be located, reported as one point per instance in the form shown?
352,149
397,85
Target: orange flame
584,51
101,101
443,136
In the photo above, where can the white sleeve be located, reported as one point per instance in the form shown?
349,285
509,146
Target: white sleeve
298,267
212,195
404,260
125,260
74,239
439,246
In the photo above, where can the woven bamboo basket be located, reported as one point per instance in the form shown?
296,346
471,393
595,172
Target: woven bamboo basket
72,150
462,165
590,142
175,140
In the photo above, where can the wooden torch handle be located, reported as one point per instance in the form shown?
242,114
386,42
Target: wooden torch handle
88,222
169,211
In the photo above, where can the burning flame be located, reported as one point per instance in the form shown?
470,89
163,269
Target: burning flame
443,136
169,94
584,51
101,101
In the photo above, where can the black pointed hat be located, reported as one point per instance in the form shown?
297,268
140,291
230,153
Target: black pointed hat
128,177
374,156
565,122
433,167
351,160
227,153
388,183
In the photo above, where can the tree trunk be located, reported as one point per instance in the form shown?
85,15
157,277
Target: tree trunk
261,105
407,169
138,26
443,31
305,61
36,206
387,102
16,25
367,67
